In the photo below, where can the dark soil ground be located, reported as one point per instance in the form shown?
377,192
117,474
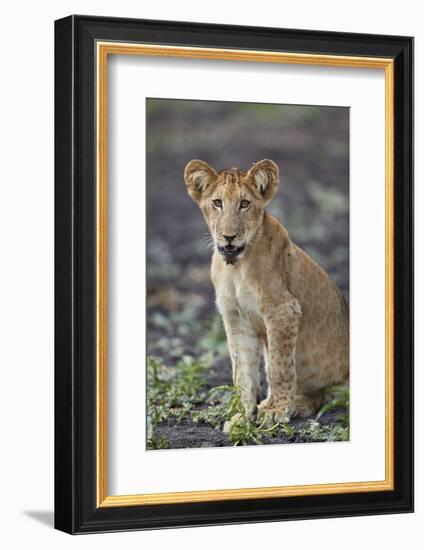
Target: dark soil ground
178,434
310,145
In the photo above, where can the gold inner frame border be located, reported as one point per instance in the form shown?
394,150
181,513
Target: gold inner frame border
103,50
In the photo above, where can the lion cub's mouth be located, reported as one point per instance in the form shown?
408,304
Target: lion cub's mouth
230,252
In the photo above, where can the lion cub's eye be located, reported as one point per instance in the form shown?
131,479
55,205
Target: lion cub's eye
217,203
244,204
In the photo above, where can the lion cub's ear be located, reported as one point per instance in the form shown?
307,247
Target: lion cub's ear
265,178
198,176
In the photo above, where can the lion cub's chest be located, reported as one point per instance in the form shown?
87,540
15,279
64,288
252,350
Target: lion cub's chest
235,298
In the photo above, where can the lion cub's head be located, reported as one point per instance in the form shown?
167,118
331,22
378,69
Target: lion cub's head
232,201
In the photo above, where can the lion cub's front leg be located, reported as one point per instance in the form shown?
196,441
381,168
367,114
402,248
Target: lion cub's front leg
282,322
244,347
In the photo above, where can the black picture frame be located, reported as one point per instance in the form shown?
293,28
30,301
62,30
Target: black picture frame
76,509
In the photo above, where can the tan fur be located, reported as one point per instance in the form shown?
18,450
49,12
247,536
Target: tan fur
274,298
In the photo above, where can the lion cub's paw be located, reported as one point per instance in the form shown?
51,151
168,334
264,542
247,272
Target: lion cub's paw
229,424
240,418
275,413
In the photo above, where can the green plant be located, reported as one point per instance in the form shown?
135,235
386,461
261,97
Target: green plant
337,398
212,415
242,430
155,443
173,391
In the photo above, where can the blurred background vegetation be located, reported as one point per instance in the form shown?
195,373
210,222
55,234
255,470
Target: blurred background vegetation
310,144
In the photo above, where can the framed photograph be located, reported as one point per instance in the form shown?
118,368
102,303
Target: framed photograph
234,274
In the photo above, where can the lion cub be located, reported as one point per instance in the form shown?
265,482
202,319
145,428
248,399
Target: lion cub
274,299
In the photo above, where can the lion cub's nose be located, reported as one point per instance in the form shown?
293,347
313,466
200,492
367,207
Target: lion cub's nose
229,238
